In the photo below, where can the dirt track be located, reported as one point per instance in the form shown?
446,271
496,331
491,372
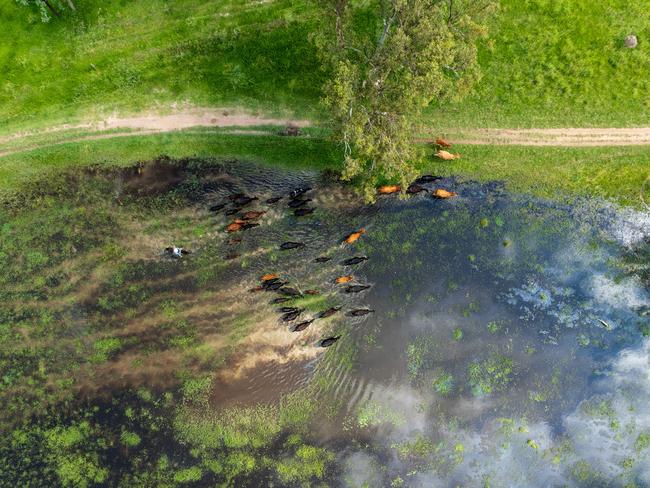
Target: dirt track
213,117
568,137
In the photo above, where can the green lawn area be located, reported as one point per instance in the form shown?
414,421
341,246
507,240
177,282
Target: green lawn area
548,63
560,63
133,55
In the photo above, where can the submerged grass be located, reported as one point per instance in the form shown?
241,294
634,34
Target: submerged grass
240,441
67,341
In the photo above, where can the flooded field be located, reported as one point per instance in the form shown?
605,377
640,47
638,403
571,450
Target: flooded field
489,339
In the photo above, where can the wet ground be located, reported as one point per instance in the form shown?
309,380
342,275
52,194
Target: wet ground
504,343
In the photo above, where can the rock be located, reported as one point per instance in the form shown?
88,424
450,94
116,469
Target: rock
631,41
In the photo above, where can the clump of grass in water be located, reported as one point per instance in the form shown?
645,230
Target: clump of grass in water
372,414
103,349
306,463
458,334
419,356
443,383
490,375
234,442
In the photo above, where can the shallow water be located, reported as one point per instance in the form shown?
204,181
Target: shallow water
504,348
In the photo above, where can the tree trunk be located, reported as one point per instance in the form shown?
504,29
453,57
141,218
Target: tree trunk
71,4
339,10
51,7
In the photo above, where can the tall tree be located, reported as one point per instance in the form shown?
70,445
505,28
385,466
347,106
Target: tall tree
388,59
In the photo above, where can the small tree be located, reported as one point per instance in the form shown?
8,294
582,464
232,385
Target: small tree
48,8
388,59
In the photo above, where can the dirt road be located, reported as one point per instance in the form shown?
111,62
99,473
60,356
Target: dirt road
567,137
214,117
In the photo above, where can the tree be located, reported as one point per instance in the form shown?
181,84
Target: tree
48,8
388,59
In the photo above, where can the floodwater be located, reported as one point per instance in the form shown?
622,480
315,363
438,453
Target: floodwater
504,346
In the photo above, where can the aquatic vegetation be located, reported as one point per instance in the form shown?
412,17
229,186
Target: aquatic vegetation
188,475
584,472
458,334
105,348
419,356
373,414
130,439
443,383
490,375
253,427
73,464
642,441
417,450
532,444
307,463
494,326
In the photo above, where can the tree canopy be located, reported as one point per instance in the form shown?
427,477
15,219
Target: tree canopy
388,60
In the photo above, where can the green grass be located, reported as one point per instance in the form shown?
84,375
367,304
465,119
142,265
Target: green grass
616,173
547,63
560,63
132,56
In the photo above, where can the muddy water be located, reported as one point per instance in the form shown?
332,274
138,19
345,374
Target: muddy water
500,344
504,346
499,327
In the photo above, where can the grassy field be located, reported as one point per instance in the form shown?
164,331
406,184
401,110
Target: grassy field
131,56
616,173
558,63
